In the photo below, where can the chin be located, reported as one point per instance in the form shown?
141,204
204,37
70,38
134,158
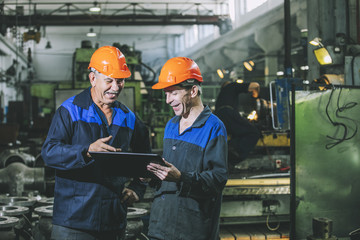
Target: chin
109,101
178,113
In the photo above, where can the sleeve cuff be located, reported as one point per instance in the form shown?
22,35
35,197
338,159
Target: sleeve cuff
185,184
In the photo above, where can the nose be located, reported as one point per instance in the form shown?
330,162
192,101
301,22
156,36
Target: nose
117,85
168,98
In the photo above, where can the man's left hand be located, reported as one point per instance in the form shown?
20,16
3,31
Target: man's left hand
129,196
166,173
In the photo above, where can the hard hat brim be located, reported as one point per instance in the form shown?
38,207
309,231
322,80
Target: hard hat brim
121,75
161,85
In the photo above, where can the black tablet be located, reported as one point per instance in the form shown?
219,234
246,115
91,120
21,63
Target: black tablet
126,164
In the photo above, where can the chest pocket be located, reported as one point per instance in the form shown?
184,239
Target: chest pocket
186,156
122,138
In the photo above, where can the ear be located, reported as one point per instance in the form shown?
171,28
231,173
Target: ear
92,78
194,91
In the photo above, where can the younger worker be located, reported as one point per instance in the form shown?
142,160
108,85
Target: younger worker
187,204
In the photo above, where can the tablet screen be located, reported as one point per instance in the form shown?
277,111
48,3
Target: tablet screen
126,164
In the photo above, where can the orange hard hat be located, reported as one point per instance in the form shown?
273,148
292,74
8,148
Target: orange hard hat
177,70
110,61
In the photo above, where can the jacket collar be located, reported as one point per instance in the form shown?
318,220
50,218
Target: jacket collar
200,120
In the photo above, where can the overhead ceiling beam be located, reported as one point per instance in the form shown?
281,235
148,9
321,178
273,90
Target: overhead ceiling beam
106,20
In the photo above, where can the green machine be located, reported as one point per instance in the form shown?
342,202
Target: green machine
81,61
326,162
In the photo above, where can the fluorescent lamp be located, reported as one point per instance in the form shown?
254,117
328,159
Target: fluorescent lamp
220,73
249,65
95,8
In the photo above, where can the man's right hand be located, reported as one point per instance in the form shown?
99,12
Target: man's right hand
101,146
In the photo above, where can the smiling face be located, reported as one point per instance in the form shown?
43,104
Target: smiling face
105,90
179,99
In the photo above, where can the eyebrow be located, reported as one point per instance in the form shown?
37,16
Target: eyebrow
173,88
114,79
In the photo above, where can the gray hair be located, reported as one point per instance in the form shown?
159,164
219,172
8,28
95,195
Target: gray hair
94,70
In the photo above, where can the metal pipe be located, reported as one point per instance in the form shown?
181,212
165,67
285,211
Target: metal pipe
287,40
16,178
292,169
358,20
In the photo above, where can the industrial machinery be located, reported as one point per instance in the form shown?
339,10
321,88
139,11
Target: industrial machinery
256,198
81,59
326,146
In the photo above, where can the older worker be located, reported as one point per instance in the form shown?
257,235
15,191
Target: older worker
88,204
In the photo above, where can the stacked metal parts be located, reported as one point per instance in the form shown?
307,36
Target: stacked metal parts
31,218
26,202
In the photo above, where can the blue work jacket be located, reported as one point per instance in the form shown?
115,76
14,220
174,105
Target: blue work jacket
190,209
84,197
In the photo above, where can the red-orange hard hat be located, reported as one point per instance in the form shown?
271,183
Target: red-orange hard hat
177,70
110,61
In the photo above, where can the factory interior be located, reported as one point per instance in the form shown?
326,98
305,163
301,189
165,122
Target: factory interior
300,181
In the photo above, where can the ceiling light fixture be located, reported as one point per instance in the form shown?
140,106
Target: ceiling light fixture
249,65
95,8
91,33
220,73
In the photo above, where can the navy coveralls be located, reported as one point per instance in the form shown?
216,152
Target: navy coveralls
84,197
190,209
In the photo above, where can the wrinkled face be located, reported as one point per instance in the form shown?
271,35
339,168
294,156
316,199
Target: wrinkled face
179,99
106,89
